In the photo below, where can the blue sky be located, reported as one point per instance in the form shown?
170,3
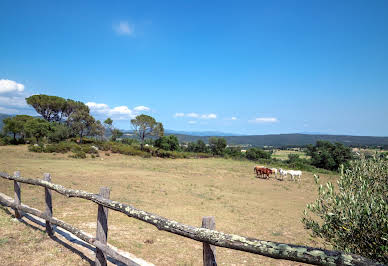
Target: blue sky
248,67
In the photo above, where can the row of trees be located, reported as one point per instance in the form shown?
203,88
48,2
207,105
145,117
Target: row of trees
65,118
62,119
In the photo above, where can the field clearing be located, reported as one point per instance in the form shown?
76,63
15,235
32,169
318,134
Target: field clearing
283,154
184,190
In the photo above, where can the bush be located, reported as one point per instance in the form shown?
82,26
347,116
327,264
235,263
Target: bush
354,219
35,148
254,154
6,140
329,156
168,143
79,155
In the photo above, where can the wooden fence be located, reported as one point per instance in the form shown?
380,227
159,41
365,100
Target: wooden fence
205,234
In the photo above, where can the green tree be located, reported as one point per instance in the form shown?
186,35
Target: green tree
58,132
354,219
217,145
116,133
255,154
81,123
54,108
15,125
37,128
200,146
49,107
145,125
328,155
168,143
97,130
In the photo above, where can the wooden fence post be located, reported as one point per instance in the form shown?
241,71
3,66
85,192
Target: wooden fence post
102,227
49,204
16,187
209,251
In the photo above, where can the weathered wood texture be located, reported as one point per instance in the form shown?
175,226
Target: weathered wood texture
271,249
102,227
16,187
81,235
49,204
209,251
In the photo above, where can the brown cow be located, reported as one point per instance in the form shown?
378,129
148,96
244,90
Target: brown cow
256,169
264,171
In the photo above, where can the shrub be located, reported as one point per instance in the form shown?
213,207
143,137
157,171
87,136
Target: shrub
256,153
168,143
354,219
36,148
328,155
79,155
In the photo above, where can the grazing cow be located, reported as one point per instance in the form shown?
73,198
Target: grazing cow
275,171
295,173
282,173
256,169
265,171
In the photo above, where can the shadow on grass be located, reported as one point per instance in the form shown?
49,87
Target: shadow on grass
64,234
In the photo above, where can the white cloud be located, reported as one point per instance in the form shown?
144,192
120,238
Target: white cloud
179,115
264,120
209,116
12,97
193,115
116,113
7,86
141,108
196,115
124,28
192,122
234,118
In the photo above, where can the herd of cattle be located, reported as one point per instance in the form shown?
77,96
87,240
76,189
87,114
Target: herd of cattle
265,172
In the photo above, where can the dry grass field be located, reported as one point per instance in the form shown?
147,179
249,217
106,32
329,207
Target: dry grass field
283,154
184,190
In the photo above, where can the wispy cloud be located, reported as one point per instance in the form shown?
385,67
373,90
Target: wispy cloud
193,115
179,115
141,108
234,118
124,28
196,115
192,122
209,116
116,113
264,120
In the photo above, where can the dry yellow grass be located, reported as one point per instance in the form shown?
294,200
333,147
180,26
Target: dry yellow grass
184,190
283,154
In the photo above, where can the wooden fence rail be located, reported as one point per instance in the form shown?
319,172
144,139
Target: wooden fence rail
206,234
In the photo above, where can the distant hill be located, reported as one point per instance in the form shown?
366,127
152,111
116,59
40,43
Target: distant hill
278,140
199,133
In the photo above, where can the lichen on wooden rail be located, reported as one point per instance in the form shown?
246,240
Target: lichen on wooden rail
271,249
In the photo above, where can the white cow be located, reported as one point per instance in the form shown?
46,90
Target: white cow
295,173
275,171
283,173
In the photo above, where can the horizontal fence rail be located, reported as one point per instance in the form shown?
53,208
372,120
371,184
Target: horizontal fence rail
271,249
81,235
